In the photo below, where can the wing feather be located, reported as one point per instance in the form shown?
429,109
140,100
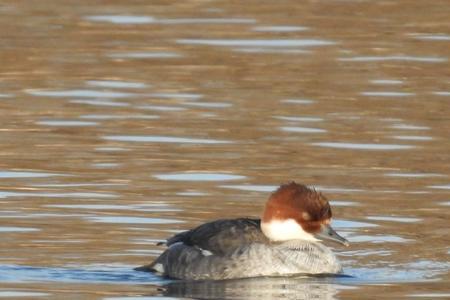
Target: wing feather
222,236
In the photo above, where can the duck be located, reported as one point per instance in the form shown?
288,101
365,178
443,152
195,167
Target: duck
286,240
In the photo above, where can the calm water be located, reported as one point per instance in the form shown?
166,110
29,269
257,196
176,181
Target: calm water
124,122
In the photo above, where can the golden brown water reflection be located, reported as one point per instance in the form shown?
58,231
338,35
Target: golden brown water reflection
123,122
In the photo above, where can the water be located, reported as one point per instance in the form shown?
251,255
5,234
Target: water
123,124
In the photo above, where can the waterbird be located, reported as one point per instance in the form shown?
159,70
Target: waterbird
285,241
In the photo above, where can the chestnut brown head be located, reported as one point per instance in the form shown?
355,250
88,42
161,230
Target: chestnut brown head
295,211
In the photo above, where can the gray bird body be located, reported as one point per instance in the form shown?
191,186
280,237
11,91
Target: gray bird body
237,248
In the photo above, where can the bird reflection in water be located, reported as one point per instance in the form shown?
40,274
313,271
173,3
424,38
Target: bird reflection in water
296,287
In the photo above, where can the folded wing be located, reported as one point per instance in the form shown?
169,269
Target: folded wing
221,237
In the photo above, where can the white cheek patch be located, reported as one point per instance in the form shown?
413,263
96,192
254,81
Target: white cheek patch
285,230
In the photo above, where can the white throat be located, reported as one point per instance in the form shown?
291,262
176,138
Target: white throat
285,230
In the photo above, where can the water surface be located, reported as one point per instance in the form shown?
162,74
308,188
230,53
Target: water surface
125,123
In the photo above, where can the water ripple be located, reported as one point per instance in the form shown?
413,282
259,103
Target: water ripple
409,127
162,139
206,21
425,59
161,108
251,188
273,50
297,101
432,37
119,117
130,220
363,146
143,55
121,19
100,102
204,176
414,175
377,239
17,229
147,207
209,104
14,294
6,194
386,81
183,96
79,93
441,93
130,19
279,28
347,224
68,123
413,137
443,186
387,94
394,219
299,119
27,174
302,129
257,43
116,84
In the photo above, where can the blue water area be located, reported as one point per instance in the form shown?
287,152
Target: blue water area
20,273
304,287
418,271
